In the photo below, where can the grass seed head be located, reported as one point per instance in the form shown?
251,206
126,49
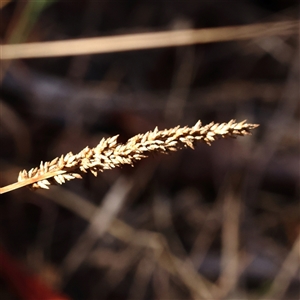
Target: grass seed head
108,154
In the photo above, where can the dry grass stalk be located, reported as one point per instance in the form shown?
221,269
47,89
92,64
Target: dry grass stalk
108,154
150,40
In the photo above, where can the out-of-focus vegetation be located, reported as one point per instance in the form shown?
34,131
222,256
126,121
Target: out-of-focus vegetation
220,222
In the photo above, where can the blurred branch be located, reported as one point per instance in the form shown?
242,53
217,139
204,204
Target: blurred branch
230,260
147,40
200,287
102,217
289,269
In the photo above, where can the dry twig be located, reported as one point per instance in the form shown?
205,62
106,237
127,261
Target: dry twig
108,154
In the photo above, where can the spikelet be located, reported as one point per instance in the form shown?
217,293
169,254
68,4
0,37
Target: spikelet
108,154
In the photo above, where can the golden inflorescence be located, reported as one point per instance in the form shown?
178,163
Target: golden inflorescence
109,154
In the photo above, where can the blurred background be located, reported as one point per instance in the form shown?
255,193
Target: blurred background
219,222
